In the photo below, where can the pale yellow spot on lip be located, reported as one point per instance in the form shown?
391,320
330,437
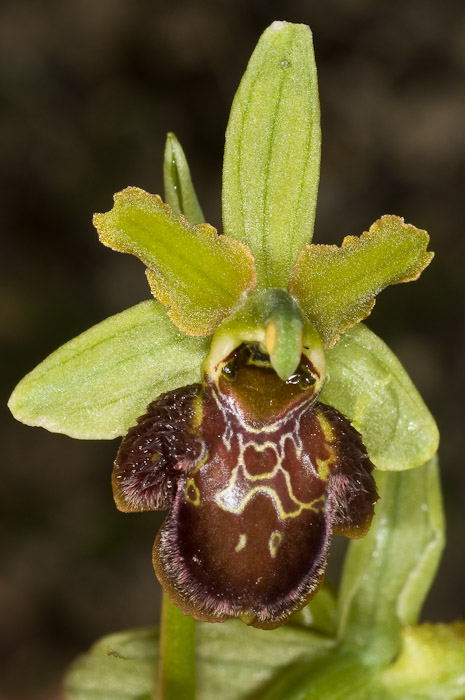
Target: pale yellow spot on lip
324,465
242,542
192,493
274,542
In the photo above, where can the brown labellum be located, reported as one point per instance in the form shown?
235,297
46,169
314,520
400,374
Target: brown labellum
257,475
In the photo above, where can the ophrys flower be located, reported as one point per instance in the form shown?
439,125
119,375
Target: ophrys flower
259,380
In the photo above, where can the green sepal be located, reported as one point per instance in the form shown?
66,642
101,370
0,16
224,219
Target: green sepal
191,269
96,385
388,573
233,661
274,320
272,152
179,190
336,287
366,382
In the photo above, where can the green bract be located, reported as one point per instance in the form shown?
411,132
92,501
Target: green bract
179,190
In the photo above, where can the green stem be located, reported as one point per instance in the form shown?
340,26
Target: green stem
176,671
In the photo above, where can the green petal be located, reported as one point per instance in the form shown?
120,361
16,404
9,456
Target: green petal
388,573
95,386
179,190
197,273
336,286
272,152
233,661
431,664
366,383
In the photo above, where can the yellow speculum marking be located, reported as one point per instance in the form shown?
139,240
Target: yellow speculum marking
192,493
324,465
241,543
274,542
224,496
197,408
227,499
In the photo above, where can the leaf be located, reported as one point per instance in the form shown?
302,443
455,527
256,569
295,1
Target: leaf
272,152
366,382
239,662
233,661
95,386
336,286
332,676
179,190
118,667
197,273
387,574
431,664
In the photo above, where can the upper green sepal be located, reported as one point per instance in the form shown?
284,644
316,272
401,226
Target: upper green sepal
272,152
179,190
336,286
191,269
366,382
96,385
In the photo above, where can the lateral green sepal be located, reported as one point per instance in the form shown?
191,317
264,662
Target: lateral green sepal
336,287
366,382
179,190
272,152
191,269
96,385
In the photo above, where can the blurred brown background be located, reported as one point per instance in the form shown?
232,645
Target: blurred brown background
88,91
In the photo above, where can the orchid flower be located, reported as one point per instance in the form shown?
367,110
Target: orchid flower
252,402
